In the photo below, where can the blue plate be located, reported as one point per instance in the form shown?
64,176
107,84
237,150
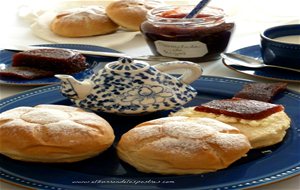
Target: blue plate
266,73
6,58
106,171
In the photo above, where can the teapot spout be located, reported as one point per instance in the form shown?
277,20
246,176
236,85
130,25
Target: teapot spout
73,88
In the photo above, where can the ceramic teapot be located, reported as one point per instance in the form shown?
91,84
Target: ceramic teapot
133,87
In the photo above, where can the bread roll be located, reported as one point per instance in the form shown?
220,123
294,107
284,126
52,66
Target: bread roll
182,145
53,133
128,13
261,133
82,22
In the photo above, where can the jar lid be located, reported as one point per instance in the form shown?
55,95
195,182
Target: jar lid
127,64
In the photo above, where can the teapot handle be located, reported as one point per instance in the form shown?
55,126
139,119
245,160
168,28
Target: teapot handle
192,73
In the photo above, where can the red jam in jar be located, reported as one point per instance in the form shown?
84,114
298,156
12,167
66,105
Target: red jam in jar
197,39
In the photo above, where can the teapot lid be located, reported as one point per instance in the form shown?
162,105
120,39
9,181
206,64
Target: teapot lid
127,64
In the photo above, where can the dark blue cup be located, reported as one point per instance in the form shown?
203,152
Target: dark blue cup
278,52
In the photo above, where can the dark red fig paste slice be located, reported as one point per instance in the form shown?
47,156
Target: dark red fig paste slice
61,61
240,108
25,73
261,91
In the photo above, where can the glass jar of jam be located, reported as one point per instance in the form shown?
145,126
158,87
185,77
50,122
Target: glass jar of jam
197,39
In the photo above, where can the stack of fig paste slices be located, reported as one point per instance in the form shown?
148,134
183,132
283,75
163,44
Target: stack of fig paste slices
41,63
252,102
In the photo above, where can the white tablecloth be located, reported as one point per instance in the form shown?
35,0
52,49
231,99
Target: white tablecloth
251,18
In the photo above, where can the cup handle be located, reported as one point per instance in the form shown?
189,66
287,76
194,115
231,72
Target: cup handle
192,73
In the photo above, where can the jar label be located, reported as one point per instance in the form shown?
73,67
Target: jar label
188,49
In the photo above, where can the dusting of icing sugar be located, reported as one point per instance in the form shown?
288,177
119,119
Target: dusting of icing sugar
15,124
87,9
44,116
67,127
14,113
145,132
189,135
178,146
75,115
187,129
217,125
229,141
92,12
66,131
168,119
59,107
49,125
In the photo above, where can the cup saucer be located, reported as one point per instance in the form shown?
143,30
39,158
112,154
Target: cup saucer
266,73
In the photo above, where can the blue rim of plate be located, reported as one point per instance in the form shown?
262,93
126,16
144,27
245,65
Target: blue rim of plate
260,167
6,58
265,73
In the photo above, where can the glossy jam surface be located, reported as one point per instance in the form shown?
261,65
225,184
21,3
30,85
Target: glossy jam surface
207,39
240,108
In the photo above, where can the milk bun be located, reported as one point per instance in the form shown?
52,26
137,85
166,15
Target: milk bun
128,13
261,133
83,22
182,145
53,133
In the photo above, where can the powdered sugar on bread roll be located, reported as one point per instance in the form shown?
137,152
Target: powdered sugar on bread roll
82,22
53,133
182,145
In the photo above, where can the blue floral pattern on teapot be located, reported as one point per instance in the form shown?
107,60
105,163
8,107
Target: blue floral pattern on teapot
130,87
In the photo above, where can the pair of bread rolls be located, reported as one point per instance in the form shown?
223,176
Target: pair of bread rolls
171,145
96,20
